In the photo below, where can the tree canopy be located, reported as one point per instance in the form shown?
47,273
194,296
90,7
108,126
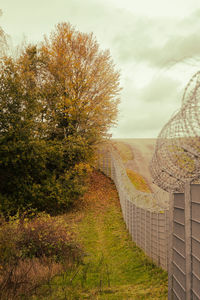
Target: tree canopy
85,81
57,100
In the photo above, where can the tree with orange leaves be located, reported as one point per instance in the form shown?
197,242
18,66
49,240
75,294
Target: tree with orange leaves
56,101
83,83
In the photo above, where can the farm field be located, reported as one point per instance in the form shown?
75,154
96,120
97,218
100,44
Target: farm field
114,267
142,152
136,155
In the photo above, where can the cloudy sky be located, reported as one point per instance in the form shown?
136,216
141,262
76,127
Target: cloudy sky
154,43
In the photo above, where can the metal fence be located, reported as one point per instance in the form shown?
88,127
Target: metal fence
177,153
175,167
184,253
170,237
147,226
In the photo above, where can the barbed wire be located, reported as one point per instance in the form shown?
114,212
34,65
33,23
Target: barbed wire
150,201
177,154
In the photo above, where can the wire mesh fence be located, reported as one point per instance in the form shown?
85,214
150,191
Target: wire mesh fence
175,167
146,222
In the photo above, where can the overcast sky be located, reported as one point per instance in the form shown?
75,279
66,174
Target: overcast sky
155,44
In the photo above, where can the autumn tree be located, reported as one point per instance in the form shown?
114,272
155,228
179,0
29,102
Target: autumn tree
83,81
56,101
35,170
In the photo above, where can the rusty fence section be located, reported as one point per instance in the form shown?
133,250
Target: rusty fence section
148,228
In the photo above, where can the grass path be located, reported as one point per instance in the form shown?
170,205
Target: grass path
114,268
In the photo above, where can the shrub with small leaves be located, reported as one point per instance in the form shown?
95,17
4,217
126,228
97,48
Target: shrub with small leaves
47,236
32,245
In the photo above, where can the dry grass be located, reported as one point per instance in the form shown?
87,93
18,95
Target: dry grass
23,279
33,251
138,181
114,268
124,150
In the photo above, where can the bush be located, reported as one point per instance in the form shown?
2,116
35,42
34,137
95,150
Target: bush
46,175
46,236
37,167
28,247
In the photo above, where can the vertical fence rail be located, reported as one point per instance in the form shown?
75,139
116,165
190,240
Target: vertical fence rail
184,247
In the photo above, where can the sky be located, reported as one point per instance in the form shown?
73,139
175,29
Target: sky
154,43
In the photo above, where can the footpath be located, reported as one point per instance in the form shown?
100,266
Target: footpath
114,267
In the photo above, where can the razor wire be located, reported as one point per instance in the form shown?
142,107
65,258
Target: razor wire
146,219
176,157
149,201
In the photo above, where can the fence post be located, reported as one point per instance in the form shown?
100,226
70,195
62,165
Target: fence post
188,235
170,247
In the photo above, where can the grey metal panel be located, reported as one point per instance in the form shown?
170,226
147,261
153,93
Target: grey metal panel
196,266
196,211
179,245
179,275
179,200
175,297
196,248
188,238
179,230
195,192
194,297
196,285
179,260
196,230
179,215
179,289
170,246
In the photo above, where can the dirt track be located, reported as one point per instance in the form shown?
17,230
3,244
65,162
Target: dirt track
143,150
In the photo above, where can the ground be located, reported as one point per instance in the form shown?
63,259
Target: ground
114,267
